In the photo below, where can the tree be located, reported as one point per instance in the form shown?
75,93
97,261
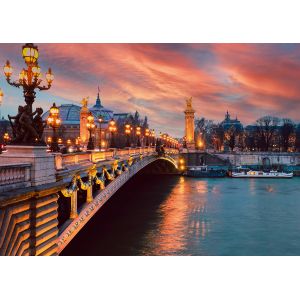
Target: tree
265,130
203,131
145,124
286,132
297,141
136,119
218,137
230,136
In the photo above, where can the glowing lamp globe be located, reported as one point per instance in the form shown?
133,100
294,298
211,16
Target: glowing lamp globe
1,96
54,110
49,76
30,53
90,118
7,69
36,70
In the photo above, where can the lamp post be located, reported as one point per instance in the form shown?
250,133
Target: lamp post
90,126
138,134
29,80
153,137
127,132
1,100
147,133
6,137
112,129
100,120
54,121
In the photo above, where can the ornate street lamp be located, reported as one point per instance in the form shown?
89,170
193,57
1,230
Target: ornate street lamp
100,120
6,137
147,133
138,134
59,140
112,129
54,121
1,100
49,140
153,137
90,126
127,132
29,130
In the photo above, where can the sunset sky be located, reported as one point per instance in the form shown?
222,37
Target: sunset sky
248,80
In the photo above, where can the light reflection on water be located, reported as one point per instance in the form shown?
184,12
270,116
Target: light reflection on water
188,216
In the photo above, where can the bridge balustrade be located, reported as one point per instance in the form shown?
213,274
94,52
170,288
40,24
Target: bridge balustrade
14,176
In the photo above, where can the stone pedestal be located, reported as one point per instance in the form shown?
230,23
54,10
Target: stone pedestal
42,168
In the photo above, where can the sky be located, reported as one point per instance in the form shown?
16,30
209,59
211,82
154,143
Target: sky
248,80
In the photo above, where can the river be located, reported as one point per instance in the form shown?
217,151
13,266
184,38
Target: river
175,215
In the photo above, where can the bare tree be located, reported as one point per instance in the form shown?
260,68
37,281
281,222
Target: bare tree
286,133
266,128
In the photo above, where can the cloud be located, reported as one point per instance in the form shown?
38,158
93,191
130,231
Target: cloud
249,80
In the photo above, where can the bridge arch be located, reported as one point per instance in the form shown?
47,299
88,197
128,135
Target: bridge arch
151,164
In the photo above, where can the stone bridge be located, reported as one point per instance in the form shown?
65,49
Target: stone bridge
46,199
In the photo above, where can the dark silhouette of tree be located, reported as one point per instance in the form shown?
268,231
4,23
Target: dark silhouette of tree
230,137
286,132
265,129
297,140
218,137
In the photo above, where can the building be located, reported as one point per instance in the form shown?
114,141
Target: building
73,122
227,123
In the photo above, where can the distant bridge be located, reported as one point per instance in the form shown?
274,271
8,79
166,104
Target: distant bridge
41,217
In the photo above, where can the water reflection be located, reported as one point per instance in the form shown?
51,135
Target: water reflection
181,219
187,216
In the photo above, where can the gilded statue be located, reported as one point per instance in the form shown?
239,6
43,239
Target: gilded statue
84,101
189,102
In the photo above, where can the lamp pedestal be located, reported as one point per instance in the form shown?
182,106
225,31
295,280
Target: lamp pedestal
42,169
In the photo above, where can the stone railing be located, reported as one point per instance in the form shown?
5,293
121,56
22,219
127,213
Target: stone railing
14,176
70,159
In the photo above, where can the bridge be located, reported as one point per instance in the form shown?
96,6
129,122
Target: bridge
47,198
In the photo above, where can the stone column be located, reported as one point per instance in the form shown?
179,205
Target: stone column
74,213
189,124
84,112
89,194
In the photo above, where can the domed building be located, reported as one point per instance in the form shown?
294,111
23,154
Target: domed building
70,115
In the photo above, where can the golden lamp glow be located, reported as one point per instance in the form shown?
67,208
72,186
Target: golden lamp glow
59,141
1,96
112,122
54,110
181,161
30,53
101,119
36,70
6,136
127,129
49,76
90,118
7,69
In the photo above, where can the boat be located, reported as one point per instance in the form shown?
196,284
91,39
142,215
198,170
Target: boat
247,173
204,172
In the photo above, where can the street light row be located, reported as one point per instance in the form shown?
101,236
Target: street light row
30,130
